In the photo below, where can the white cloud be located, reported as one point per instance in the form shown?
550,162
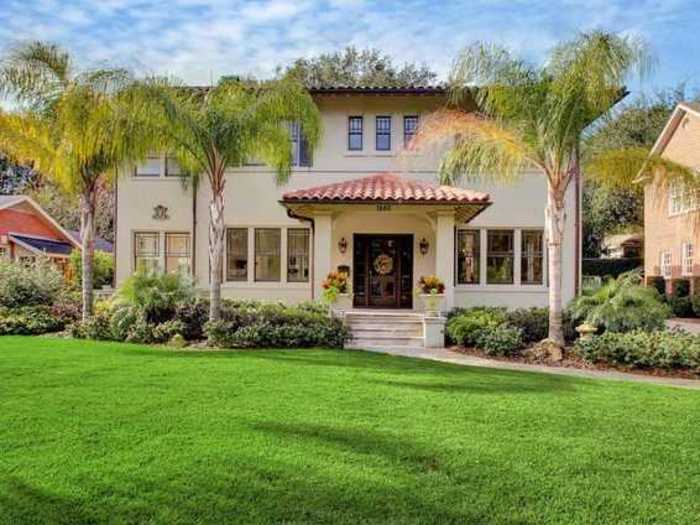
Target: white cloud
198,39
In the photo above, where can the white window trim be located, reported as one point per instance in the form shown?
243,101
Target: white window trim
666,264
682,200
687,253
518,285
251,283
161,247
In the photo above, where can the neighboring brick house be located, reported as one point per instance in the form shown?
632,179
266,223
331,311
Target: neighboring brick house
27,231
672,211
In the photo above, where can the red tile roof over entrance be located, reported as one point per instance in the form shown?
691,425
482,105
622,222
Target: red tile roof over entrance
387,187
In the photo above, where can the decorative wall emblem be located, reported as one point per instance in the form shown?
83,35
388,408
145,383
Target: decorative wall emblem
160,213
383,264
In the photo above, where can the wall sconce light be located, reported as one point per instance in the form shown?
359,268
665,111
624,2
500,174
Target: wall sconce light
343,245
424,245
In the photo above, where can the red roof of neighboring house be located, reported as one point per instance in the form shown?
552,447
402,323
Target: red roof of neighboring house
387,187
13,221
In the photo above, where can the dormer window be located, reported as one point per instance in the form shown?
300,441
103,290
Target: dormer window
383,131
355,125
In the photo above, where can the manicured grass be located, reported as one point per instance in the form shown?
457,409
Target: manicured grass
98,432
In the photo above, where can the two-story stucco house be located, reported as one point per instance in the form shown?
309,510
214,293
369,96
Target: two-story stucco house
671,211
357,199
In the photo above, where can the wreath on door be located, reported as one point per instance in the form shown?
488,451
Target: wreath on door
383,264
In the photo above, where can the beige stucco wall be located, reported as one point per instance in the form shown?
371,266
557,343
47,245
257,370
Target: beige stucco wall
663,231
251,200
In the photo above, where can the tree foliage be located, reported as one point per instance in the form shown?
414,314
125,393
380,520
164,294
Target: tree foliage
529,118
354,67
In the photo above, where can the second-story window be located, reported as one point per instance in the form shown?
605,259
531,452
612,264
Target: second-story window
149,167
383,142
301,156
355,133
410,125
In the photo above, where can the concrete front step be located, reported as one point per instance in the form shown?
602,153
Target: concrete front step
385,342
370,331
385,330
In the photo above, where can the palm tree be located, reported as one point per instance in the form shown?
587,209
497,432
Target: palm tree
210,130
532,118
74,128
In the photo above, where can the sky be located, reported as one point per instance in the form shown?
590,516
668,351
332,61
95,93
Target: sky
197,41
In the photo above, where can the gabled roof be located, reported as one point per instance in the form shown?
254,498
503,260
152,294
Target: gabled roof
386,187
9,201
40,245
681,110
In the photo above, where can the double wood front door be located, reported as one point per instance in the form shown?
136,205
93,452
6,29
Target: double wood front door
383,271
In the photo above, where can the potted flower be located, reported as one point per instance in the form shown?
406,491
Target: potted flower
432,292
336,291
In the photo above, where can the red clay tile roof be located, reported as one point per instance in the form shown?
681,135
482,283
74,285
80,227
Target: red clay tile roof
386,187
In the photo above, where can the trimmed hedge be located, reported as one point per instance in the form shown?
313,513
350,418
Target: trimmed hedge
670,349
609,267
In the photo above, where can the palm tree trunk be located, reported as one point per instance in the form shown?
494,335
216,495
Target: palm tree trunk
216,250
87,236
555,219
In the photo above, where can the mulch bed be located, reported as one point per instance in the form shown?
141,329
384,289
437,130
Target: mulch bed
572,361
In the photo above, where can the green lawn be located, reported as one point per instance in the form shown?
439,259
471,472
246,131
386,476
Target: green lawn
98,432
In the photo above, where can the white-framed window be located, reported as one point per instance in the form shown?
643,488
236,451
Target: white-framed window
268,254
687,258
172,168
355,131
682,199
178,253
298,264
146,251
410,126
237,254
532,257
383,133
468,256
150,167
666,259
500,256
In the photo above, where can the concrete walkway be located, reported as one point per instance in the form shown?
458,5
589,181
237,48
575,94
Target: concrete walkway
448,356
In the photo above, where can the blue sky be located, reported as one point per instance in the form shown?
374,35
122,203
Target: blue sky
197,40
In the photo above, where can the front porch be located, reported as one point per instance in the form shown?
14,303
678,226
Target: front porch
385,232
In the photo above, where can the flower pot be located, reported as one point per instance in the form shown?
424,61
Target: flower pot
343,303
432,303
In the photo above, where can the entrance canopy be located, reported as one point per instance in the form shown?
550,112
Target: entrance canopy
388,188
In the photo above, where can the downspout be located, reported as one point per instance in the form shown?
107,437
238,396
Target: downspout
195,186
311,221
115,216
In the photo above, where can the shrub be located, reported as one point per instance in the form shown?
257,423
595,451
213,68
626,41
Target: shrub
695,304
658,283
29,320
97,327
29,285
502,340
466,327
663,349
193,315
102,268
622,305
248,325
156,295
681,306
681,288
533,322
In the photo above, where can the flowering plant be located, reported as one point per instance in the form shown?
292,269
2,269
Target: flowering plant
431,284
334,284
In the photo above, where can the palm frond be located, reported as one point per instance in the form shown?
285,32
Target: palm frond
481,149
